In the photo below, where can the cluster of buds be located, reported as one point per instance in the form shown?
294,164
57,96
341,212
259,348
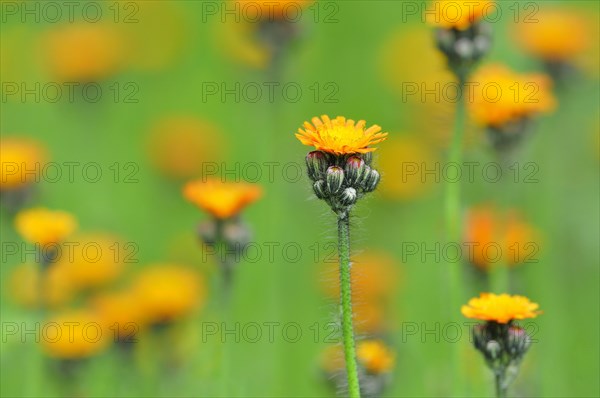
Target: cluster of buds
464,48
341,180
503,347
505,138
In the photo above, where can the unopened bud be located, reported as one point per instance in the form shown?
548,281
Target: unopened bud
207,231
335,179
348,197
319,189
236,234
368,158
464,48
517,342
493,349
355,168
371,181
316,163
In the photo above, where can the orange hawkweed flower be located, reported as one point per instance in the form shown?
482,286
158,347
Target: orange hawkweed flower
19,158
166,292
375,356
502,96
84,52
221,199
485,227
501,308
340,136
558,34
43,226
75,334
452,14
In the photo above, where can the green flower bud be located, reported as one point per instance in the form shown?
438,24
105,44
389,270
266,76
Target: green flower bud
207,231
371,181
368,158
355,167
517,342
319,189
316,163
335,179
348,197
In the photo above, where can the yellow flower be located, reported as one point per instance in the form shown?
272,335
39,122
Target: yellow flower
43,226
221,199
75,334
28,286
453,14
166,292
486,229
271,9
502,96
501,308
402,162
340,136
557,34
21,161
83,52
375,356
95,260
180,146
121,312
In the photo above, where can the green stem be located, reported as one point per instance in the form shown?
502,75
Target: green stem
346,301
500,388
454,231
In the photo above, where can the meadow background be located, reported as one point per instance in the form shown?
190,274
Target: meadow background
358,54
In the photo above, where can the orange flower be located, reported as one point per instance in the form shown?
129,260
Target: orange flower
31,288
502,96
84,52
501,308
75,334
166,292
375,356
484,228
557,34
221,199
21,160
120,312
43,226
340,136
453,14
271,9
180,146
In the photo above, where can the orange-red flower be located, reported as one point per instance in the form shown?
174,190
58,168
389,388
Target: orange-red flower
43,226
501,308
453,14
340,136
374,356
221,199
21,160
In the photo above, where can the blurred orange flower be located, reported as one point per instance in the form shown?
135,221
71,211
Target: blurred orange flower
83,52
374,356
120,312
502,96
340,136
453,14
556,34
180,146
32,289
485,227
21,160
221,199
74,334
501,308
43,226
166,292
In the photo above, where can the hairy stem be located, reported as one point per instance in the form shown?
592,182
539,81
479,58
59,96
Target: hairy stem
346,302
500,387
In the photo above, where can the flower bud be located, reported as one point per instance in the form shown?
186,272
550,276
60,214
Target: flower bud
371,181
348,197
236,235
517,342
368,158
354,169
319,189
493,350
335,179
207,231
316,163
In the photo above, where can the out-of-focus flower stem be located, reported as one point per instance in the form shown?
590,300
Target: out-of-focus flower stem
346,302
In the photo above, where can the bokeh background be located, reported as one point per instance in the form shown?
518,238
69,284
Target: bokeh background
157,124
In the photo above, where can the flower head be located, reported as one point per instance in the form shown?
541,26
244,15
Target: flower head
558,35
43,226
460,15
502,308
221,199
375,356
75,334
19,157
340,136
513,97
166,292
122,309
